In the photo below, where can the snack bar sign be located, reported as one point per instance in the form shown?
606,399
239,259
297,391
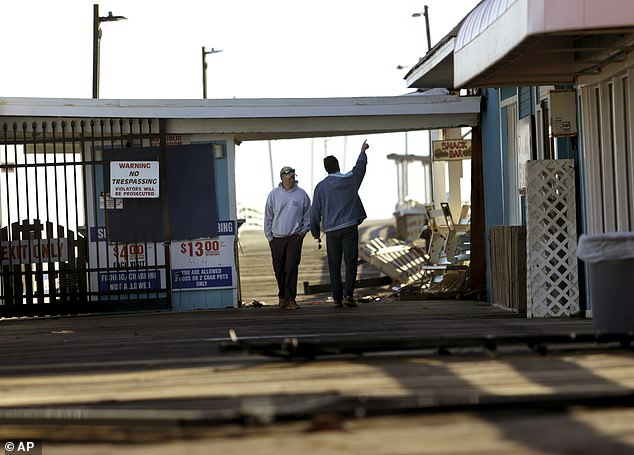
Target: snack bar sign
452,149
134,179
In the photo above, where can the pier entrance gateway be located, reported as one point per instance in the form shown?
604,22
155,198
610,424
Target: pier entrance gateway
57,214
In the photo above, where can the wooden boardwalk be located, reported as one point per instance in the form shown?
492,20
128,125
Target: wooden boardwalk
438,377
159,381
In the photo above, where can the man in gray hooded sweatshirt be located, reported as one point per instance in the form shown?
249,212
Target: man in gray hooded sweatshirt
286,222
337,205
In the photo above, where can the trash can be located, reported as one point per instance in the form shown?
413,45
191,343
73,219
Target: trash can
610,260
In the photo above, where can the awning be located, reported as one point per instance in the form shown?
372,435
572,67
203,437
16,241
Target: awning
436,69
532,42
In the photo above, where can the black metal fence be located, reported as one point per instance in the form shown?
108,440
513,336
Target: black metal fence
56,252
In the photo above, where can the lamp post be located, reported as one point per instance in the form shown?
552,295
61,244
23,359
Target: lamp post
205,53
96,44
425,13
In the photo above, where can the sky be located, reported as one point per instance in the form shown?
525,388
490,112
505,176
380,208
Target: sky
270,49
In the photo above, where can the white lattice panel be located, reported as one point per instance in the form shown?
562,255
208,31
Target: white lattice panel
551,239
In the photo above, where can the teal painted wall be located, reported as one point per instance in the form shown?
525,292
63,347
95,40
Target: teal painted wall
211,298
492,168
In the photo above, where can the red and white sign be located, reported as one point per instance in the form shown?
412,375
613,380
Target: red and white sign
34,251
170,139
206,263
130,254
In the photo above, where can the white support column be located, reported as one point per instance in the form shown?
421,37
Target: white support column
455,176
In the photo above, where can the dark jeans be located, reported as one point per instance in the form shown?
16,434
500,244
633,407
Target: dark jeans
286,253
342,243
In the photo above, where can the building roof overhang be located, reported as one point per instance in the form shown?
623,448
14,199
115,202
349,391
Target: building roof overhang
533,42
262,118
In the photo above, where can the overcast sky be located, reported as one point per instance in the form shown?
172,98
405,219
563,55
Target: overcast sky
271,49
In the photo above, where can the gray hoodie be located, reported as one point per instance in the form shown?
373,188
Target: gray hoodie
286,212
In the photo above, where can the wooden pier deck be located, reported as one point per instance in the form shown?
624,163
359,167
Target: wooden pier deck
150,383
437,377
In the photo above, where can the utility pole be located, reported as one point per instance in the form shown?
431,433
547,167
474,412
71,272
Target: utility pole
425,14
96,44
204,55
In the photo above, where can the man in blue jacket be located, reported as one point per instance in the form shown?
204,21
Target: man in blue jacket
337,205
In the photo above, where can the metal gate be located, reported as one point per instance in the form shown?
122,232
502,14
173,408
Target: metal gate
58,255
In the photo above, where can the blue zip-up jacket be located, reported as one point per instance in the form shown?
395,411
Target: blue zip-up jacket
336,201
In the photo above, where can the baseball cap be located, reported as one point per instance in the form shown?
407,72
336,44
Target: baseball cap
287,170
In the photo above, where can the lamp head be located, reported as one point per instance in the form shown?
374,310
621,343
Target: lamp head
111,18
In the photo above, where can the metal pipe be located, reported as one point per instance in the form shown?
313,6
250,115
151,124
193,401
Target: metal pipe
204,55
426,14
96,37
96,44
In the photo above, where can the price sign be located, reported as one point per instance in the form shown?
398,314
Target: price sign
200,248
206,263
131,266
126,250
129,254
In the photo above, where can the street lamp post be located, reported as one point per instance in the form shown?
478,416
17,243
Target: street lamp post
96,44
425,13
204,54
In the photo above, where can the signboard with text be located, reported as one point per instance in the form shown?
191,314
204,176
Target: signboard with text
134,179
452,149
205,263
132,267
34,251
129,280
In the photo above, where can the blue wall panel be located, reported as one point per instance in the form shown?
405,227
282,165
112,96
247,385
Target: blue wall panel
525,103
492,168
211,298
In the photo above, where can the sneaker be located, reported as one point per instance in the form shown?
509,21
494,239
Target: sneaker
349,302
338,304
292,305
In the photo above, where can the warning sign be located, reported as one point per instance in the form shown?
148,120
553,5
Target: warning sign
134,179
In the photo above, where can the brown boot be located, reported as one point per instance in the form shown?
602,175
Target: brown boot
292,305
282,303
349,302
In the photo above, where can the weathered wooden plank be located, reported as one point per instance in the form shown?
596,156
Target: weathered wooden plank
364,283
461,380
580,430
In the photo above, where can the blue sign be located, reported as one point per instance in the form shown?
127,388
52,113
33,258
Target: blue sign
134,280
227,227
97,233
211,277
